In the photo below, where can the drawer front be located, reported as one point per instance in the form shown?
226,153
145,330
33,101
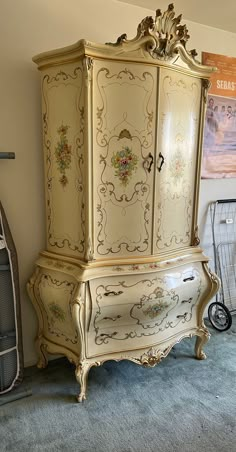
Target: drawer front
153,307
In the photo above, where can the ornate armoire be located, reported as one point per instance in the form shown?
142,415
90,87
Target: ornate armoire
123,276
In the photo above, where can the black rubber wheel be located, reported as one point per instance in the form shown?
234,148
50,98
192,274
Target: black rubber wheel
219,316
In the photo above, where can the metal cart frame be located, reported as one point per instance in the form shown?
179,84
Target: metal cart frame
223,225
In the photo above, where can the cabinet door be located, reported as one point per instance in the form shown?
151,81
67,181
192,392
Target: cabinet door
177,145
124,116
63,126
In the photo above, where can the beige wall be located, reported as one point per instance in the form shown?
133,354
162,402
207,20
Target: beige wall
27,28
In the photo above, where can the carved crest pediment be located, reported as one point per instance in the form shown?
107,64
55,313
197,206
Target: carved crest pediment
162,37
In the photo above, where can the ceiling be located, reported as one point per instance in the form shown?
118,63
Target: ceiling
214,13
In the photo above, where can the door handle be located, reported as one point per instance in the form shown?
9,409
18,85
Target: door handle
162,161
148,162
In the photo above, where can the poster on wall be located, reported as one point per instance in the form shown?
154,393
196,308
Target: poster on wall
219,138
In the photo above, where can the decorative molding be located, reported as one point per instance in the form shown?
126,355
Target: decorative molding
162,37
88,66
125,134
78,314
149,266
150,358
205,87
88,63
89,253
153,356
215,282
196,239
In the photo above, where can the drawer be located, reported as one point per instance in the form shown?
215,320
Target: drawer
152,306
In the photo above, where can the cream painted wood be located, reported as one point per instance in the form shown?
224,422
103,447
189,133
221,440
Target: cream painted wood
123,276
54,295
178,125
148,307
63,127
160,304
124,115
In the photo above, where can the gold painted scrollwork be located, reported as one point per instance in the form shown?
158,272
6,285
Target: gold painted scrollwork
153,313
123,140
146,82
54,311
152,358
49,81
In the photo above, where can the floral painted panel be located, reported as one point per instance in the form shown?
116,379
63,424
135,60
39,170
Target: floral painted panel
124,112
63,127
57,312
55,294
177,166
125,163
156,309
177,142
145,306
63,154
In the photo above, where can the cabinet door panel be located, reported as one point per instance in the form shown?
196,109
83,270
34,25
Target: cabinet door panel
63,123
178,123
124,102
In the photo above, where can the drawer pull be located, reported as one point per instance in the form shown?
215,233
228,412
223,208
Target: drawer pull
112,318
113,293
187,301
182,316
190,278
109,336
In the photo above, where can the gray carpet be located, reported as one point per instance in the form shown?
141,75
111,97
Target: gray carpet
180,405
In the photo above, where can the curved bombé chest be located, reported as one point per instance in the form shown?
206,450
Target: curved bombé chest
122,276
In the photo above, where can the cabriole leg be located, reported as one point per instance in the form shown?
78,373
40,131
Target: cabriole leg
42,352
81,374
201,340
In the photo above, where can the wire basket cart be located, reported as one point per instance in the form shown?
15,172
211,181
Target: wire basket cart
223,223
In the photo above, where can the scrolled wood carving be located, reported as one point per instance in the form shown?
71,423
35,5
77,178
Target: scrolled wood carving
160,36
